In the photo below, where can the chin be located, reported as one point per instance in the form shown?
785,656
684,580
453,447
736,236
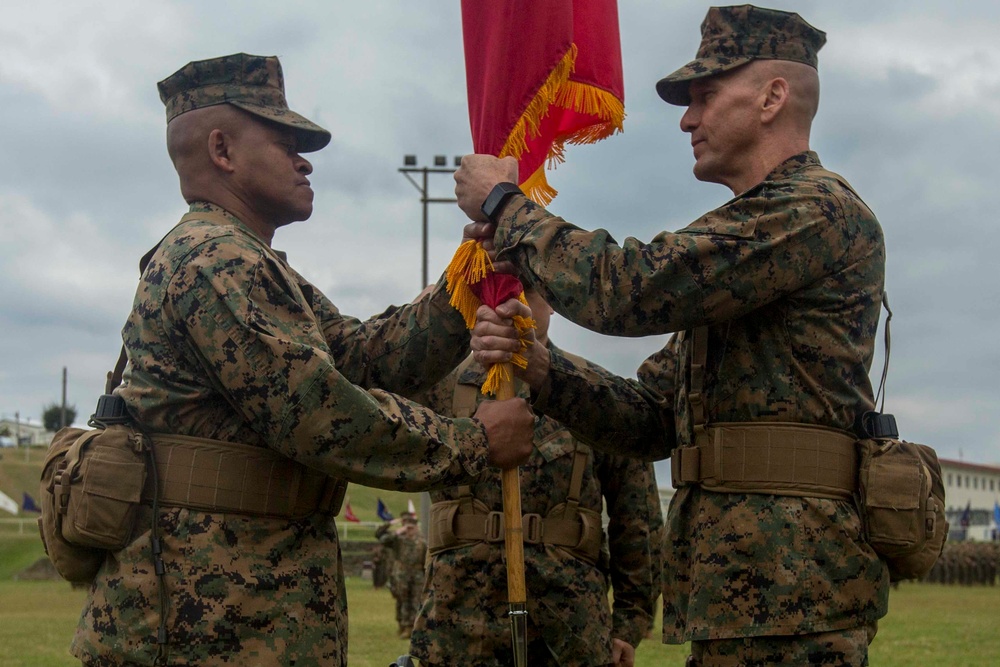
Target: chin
706,174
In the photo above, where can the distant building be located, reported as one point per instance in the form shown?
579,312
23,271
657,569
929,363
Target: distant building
974,487
26,433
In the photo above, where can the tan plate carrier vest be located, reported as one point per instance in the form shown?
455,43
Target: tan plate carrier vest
468,520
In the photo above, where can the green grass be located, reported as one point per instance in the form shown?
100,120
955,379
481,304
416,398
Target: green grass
927,625
17,553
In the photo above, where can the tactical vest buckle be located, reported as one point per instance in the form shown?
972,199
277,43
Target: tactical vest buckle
494,527
531,524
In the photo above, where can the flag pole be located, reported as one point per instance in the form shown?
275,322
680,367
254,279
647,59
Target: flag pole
517,597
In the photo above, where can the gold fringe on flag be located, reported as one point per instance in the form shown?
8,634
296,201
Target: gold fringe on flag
501,373
559,91
468,266
527,125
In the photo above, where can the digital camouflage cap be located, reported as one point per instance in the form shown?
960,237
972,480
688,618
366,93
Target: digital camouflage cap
252,83
733,36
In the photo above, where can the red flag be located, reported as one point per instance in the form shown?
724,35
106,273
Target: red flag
349,513
539,75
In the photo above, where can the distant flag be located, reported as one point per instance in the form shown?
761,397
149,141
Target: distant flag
383,512
409,506
29,504
349,513
7,503
966,516
996,513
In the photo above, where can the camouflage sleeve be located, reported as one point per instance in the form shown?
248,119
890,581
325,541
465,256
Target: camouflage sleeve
389,539
724,265
232,305
608,412
404,349
439,396
633,505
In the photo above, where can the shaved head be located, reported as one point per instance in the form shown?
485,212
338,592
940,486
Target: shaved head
803,87
187,144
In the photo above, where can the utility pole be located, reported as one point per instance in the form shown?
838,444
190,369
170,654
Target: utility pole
62,415
440,167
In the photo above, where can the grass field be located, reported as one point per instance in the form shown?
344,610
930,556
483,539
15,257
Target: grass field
928,625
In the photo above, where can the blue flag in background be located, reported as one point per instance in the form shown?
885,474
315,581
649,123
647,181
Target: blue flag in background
996,513
29,504
382,512
966,516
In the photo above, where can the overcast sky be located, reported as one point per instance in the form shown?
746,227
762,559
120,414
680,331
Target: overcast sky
910,114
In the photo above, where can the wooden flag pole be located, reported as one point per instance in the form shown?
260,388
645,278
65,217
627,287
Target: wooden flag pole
517,594
513,532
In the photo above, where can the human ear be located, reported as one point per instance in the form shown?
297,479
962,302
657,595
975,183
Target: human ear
219,144
775,98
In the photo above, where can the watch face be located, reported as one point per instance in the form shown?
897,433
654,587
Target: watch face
498,195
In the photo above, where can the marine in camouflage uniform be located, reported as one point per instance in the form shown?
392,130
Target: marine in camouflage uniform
226,341
409,553
787,276
463,620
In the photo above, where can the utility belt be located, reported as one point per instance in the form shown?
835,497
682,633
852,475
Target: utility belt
774,458
454,525
468,520
217,476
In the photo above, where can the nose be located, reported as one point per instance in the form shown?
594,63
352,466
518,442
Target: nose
689,120
304,166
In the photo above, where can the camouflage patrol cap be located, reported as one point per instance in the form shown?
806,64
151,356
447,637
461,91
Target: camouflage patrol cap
733,36
252,83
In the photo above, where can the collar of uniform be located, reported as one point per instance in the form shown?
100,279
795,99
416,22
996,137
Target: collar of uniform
790,166
209,207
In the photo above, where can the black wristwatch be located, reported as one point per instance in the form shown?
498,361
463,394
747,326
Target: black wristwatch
496,199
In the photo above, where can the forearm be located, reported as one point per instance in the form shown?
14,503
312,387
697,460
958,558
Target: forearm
633,289
610,413
633,505
379,439
405,349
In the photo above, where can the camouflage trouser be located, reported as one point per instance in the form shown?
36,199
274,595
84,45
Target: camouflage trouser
406,590
840,648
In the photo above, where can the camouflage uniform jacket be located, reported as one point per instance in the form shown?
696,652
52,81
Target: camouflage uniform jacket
409,551
225,341
788,277
463,619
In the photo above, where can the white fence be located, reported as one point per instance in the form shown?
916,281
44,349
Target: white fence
27,526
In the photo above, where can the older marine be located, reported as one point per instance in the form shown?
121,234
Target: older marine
774,298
